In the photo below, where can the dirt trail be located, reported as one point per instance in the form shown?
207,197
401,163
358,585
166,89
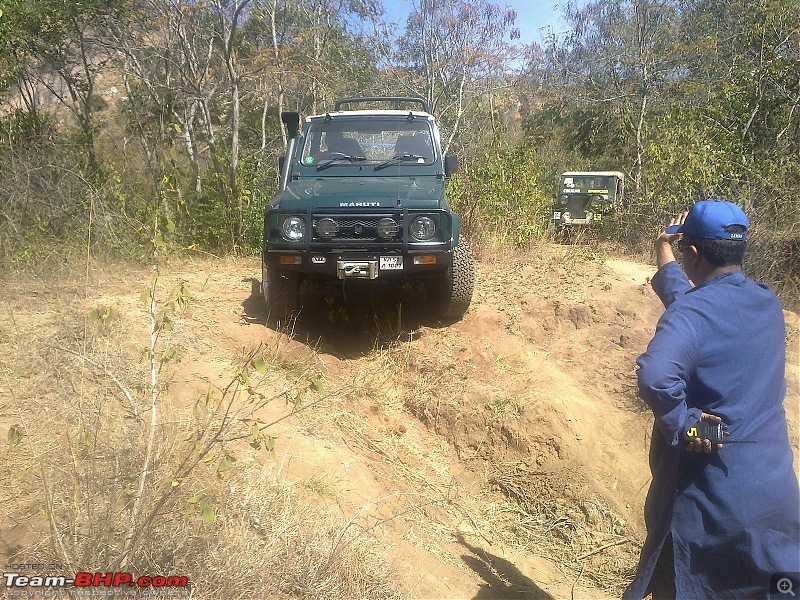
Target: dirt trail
501,456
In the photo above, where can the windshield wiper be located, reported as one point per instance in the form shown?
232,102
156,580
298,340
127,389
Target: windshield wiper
339,158
396,160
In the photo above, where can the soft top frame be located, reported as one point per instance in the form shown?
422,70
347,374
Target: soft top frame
387,99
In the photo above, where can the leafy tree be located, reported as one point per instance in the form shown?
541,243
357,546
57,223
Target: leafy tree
57,45
614,70
685,160
504,197
742,60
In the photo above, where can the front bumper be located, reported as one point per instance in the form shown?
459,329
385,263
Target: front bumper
559,218
356,250
358,265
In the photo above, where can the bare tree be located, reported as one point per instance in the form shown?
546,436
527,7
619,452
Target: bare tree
453,50
229,14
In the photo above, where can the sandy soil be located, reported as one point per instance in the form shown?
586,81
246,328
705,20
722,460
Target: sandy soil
504,455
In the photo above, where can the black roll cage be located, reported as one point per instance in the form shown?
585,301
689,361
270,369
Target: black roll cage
394,99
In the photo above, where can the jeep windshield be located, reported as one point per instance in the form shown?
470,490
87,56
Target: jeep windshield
589,184
379,142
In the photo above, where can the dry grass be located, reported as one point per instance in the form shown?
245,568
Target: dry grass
271,540
550,517
77,385
75,396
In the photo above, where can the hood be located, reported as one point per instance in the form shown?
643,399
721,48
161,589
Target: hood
363,192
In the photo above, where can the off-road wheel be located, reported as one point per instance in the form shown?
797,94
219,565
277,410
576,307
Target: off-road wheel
281,293
452,293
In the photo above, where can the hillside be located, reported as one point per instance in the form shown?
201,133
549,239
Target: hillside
502,456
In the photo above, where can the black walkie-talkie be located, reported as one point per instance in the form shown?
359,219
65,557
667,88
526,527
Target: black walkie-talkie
716,432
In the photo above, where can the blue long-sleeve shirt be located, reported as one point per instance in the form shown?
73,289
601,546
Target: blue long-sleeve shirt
734,515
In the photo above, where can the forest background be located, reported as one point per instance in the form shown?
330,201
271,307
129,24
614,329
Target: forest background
128,121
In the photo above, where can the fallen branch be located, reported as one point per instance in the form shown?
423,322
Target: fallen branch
601,548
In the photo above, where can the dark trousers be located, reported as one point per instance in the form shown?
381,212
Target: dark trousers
662,583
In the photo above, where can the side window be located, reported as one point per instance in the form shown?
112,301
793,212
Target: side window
311,147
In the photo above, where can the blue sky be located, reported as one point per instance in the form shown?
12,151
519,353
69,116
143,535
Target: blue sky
532,15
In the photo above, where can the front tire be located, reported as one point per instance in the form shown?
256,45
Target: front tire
452,294
281,291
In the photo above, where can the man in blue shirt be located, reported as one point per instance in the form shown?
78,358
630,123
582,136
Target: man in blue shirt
722,519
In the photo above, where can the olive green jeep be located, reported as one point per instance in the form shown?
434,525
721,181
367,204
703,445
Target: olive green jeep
584,196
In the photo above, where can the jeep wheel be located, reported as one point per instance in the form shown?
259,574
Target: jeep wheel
451,295
281,292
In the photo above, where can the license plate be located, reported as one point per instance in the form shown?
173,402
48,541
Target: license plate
391,263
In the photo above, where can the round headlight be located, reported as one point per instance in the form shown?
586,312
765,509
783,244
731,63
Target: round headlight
326,227
566,216
422,229
294,229
387,228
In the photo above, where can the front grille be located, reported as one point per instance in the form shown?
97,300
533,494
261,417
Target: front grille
578,204
358,228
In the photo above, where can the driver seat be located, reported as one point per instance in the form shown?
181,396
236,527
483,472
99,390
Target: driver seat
412,144
346,145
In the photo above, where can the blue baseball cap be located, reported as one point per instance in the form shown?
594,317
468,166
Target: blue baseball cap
713,220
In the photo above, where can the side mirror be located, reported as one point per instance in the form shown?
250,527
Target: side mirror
281,162
450,164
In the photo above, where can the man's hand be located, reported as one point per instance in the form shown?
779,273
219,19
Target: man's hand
663,242
671,237
698,445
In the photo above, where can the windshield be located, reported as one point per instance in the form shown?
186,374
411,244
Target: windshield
375,142
589,184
